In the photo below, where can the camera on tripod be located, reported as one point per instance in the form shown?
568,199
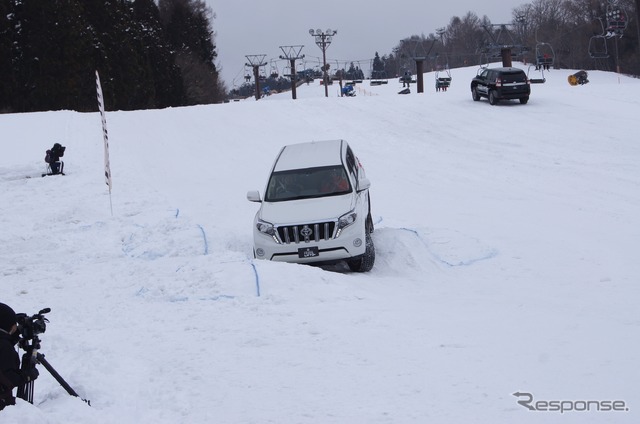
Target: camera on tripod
30,326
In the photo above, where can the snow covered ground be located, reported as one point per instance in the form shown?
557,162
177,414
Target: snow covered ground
507,261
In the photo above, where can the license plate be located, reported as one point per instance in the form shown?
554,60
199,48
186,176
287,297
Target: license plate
308,252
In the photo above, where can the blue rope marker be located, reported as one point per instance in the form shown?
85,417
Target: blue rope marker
255,271
174,299
204,236
142,291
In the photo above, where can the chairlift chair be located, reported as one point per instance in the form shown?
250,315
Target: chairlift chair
286,72
484,60
262,75
443,82
545,55
536,80
274,70
379,78
598,44
406,75
598,47
617,21
360,74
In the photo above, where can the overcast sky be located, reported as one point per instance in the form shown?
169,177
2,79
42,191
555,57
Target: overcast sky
256,27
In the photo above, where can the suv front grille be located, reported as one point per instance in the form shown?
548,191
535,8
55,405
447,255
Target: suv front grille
306,232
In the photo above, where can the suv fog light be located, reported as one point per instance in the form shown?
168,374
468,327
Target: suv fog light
260,252
357,242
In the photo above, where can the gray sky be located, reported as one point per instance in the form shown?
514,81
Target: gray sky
254,27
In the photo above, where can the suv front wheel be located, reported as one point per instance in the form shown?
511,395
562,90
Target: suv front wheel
524,100
364,262
474,94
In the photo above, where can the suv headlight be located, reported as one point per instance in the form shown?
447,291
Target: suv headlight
345,220
267,228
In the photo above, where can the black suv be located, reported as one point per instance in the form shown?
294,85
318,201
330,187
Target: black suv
501,83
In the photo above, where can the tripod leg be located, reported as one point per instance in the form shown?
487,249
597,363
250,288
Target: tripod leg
55,375
25,391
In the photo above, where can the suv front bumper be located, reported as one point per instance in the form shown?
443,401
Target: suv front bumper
349,244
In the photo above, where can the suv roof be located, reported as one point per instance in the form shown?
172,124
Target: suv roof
310,155
510,69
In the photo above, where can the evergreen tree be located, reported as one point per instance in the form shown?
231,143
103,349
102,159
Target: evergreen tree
189,31
136,64
51,49
6,83
161,71
378,70
117,55
48,36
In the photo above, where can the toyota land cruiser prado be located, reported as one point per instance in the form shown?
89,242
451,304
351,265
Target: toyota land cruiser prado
316,208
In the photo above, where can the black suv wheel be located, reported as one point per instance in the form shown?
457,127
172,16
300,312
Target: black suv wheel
474,94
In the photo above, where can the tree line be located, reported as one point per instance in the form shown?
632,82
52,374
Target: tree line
574,33
148,54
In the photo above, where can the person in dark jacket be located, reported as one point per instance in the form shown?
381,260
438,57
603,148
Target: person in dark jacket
11,375
53,158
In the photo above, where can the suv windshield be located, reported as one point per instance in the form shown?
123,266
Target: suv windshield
307,183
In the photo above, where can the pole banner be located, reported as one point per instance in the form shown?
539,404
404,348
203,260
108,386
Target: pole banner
105,134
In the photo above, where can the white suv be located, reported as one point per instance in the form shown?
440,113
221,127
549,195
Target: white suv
316,208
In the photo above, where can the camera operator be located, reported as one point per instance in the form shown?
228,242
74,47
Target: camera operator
10,373
53,156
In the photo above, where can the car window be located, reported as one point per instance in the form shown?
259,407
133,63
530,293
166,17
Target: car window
307,183
514,77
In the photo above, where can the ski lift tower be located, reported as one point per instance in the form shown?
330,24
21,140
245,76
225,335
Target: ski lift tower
419,55
502,43
323,40
256,61
292,53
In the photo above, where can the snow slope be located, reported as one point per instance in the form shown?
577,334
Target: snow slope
507,261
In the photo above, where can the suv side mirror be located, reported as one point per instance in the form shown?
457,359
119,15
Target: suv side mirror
364,184
253,196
